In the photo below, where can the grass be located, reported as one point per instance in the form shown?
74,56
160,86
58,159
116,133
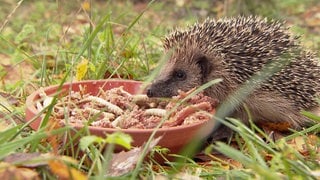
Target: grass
42,43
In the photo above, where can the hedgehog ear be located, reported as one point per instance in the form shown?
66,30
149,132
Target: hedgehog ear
204,66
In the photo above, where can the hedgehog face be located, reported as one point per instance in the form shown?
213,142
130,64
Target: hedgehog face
180,74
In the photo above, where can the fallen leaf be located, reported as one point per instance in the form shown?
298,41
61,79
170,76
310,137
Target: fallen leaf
54,140
35,159
14,101
298,143
7,107
27,159
8,171
125,161
65,172
313,140
305,144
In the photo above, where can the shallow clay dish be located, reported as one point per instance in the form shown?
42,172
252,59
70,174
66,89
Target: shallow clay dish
174,138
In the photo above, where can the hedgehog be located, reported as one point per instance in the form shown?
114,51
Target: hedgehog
235,50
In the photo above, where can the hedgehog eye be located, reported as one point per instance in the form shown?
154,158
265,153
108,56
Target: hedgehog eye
179,74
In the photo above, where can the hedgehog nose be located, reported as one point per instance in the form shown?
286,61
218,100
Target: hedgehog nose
150,93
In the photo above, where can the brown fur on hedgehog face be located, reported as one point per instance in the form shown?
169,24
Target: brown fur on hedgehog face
196,67
184,70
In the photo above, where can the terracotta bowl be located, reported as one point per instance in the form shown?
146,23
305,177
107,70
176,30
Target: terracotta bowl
174,138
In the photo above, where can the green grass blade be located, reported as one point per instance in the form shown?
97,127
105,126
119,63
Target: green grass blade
7,134
246,160
34,138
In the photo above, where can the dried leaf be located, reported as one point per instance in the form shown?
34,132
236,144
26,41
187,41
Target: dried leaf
5,105
14,101
125,162
8,171
27,159
68,159
54,140
65,172
313,140
36,159
298,143
304,144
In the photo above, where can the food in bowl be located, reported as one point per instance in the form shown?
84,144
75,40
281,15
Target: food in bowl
117,108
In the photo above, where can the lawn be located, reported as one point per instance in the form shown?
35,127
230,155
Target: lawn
51,42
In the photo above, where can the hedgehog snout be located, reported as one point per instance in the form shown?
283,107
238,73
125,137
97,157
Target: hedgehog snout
150,92
159,90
